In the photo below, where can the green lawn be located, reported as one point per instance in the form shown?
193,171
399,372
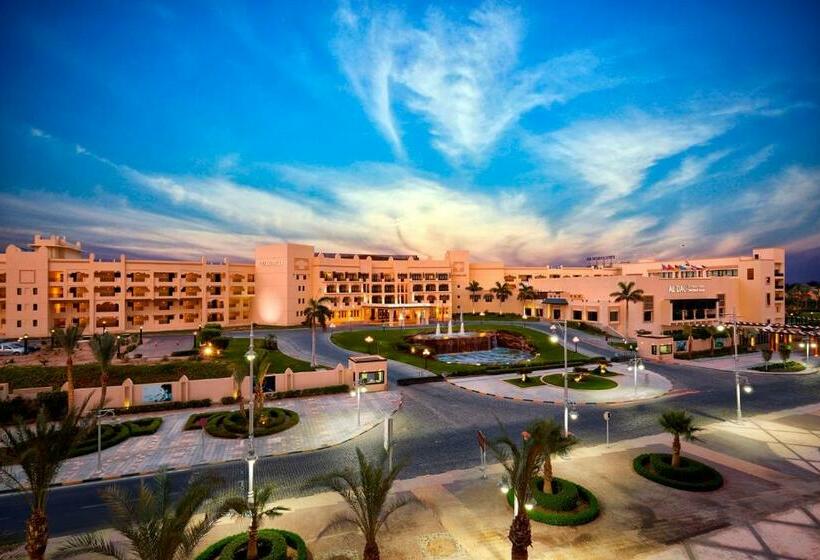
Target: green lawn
388,343
279,362
622,346
532,381
789,366
589,382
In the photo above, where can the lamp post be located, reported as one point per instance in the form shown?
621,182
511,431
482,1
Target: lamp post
747,387
426,354
52,339
635,364
25,344
808,346
100,414
554,339
576,340
140,334
369,340
195,337
250,355
358,389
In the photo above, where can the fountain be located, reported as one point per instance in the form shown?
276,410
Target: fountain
438,330
450,327
461,330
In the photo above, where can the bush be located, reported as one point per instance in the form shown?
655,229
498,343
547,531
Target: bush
273,545
693,477
220,342
228,400
54,403
419,380
789,367
709,353
563,498
156,407
232,424
113,434
587,510
180,353
316,391
270,343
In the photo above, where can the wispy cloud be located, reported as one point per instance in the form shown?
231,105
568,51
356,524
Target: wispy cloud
755,160
463,78
690,171
39,133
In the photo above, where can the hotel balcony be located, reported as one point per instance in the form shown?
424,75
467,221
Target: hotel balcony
107,276
139,277
107,291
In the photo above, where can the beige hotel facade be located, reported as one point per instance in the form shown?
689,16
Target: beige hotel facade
53,283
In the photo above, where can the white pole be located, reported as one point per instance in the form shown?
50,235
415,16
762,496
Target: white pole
358,399
99,444
251,450
737,374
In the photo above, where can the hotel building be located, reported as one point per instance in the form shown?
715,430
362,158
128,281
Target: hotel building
54,284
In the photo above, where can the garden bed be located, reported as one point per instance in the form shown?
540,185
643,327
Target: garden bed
569,504
775,367
232,424
692,475
114,434
585,383
274,544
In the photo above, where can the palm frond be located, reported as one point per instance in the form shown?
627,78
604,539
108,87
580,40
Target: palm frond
91,543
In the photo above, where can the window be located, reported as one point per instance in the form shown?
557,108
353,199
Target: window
372,377
613,315
34,323
34,306
647,316
750,274
19,291
556,314
592,316
768,299
34,291
577,315
19,324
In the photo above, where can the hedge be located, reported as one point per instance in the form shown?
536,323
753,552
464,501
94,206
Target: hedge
564,496
232,424
279,541
315,391
157,407
566,518
419,380
54,403
113,434
693,477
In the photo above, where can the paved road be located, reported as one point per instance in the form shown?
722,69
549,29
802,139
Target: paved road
435,429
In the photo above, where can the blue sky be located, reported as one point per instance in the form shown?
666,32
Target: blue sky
534,132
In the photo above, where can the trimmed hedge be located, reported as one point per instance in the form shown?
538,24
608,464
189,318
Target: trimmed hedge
113,434
564,496
232,424
157,407
566,518
773,367
693,476
419,380
273,545
315,391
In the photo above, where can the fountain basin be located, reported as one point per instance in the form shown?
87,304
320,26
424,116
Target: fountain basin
494,356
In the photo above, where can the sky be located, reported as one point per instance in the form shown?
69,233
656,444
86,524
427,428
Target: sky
535,132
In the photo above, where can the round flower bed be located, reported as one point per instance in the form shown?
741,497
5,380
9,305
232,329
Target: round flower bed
580,381
113,434
234,424
692,475
273,544
569,504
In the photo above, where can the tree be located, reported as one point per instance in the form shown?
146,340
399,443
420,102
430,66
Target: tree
678,423
366,493
40,451
154,525
316,313
238,505
263,365
551,436
526,293
628,294
474,288
521,462
67,340
239,373
502,292
785,351
767,354
104,348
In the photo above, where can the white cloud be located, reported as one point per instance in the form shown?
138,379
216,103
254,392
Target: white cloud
462,78
39,133
756,159
614,155
690,170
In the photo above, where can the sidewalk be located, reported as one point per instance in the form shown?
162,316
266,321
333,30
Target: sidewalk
746,361
650,385
323,422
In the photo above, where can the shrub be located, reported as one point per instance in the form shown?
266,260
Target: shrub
689,471
706,480
113,434
270,343
589,510
233,424
220,342
228,400
273,545
563,498
55,404
316,391
156,407
180,353
209,332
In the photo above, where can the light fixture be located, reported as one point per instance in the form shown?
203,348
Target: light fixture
641,366
250,355
529,505
554,339
721,328
747,387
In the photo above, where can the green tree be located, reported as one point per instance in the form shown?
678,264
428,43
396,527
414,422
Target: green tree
551,437
239,373
521,461
316,313
628,294
67,340
526,293
366,492
104,348
766,353
678,423
264,361
155,526
255,512
502,293
474,288
785,351
40,451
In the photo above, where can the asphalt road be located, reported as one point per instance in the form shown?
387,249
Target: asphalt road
435,430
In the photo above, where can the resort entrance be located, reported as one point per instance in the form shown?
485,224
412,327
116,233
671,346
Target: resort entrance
402,313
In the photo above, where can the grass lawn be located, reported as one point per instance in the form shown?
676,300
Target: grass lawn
589,382
622,346
790,366
279,362
386,343
532,381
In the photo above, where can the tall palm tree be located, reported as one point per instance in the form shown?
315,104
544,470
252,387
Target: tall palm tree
238,505
502,292
67,339
40,451
678,423
366,493
104,348
154,525
239,374
551,436
526,293
316,313
521,462
629,294
474,288
767,354
263,363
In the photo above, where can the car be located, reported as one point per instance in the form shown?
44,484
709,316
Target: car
12,348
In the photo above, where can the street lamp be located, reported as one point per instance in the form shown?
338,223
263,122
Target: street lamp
573,411
554,339
250,355
369,340
52,339
358,389
426,354
25,344
721,328
140,334
100,414
635,364
808,346
575,341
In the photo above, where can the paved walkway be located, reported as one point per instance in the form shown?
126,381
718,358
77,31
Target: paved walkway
746,361
323,422
161,346
650,385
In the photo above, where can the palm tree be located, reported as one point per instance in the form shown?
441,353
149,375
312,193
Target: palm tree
239,374
526,293
264,361
255,511
67,339
474,288
521,462
678,423
502,292
766,353
154,526
552,438
629,294
40,451
316,313
104,348
366,493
